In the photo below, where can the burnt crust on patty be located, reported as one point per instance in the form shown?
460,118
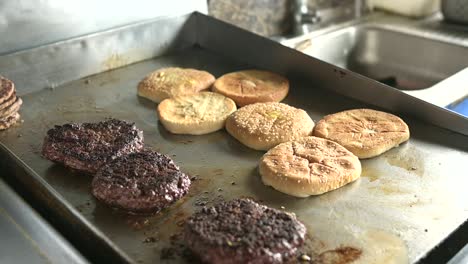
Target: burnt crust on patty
88,146
243,231
140,183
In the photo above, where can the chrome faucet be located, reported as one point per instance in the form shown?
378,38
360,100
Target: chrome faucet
304,17
359,6
307,19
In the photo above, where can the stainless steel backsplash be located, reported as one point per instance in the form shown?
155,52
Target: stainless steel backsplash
30,23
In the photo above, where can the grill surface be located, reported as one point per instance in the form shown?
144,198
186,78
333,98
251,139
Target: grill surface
407,201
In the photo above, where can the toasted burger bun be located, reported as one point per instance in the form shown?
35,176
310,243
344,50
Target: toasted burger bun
195,114
252,86
308,166
365,132
168,82
262,126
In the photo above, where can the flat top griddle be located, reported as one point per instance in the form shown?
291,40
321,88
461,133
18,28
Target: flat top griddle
26,237
407,201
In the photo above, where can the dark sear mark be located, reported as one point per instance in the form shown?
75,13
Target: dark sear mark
243,231
140,183
178,249
88,146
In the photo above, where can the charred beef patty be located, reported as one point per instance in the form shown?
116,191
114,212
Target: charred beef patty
140,183
88,146
243,231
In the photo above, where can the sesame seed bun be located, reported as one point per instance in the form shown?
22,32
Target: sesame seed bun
262,126
169,82
252,86
365,132
309,166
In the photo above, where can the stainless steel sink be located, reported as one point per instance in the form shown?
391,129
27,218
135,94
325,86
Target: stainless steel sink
402,60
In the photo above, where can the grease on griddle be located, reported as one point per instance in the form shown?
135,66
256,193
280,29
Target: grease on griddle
34,148
178,218
218,172
137,223
410,159
372,174
340,255
389,189
150,239
202,201
167,253
82,207
180,222
177,249
198,185
315,251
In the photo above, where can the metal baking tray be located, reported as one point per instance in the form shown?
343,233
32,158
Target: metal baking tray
408,200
